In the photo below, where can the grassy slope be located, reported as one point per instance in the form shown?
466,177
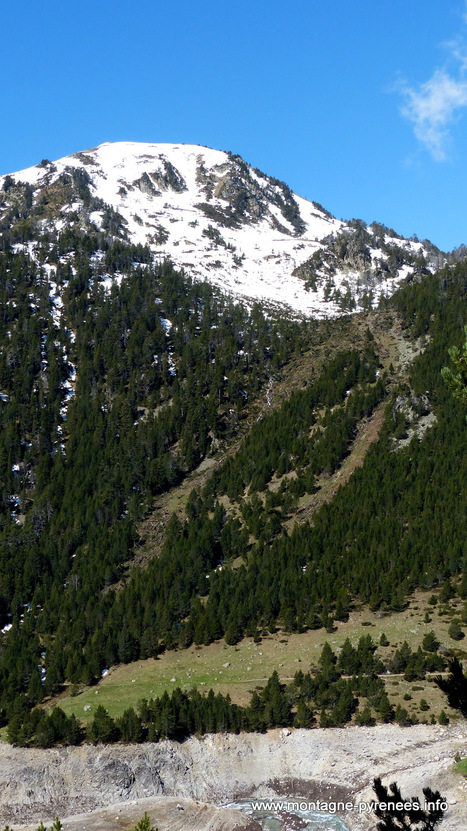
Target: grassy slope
237,670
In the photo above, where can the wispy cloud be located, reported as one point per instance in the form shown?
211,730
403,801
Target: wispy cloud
435,105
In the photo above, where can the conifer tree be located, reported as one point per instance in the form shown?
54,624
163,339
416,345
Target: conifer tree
457,381
400,814
455,686
144,824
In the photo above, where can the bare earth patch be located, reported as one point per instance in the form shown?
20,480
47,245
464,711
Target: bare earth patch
310,764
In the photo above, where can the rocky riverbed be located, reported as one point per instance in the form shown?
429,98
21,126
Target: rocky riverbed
184,786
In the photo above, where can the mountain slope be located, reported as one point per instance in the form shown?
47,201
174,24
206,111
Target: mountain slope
120,375
220,219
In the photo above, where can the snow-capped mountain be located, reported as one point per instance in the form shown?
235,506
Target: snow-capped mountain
219,219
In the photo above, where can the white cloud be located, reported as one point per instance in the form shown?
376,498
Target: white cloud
458,51
433,107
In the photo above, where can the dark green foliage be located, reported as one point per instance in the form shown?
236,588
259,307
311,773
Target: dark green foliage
430,643
447,592
384,709
40,728
402,717
376,539
281,441
144,824
415,664
365,719
81,460
130,727
397,813
145,407
457,381
361,660
455,686
455,630
102,728
182,713
276,709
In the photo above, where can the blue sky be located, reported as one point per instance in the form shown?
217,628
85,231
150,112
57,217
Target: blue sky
360,105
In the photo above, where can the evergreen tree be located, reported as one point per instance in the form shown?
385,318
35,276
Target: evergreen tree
430,642
457,381
102,728
144,824
398,814
455,630
455,686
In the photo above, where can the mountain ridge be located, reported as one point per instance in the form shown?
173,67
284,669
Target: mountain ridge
221,220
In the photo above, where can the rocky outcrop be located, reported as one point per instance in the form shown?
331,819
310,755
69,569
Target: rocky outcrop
281,250
325,764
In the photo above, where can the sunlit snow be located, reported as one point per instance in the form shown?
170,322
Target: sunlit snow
254,261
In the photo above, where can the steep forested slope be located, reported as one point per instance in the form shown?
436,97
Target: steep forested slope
112,390
108,396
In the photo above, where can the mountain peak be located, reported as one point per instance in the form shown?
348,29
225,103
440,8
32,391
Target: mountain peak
222,221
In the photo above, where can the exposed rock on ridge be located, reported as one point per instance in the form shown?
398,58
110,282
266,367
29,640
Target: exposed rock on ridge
270,245
324,764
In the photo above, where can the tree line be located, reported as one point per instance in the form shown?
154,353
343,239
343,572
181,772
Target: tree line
342,688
